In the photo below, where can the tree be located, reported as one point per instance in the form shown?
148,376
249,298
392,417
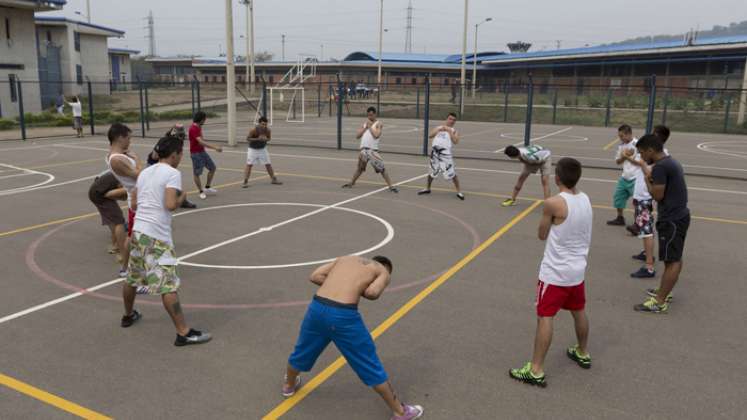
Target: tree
263,56
519,46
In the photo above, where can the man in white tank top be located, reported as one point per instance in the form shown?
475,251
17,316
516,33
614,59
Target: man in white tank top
370,135
444,137
125,166
566,226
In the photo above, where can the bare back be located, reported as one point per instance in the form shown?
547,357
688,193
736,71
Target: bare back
349,277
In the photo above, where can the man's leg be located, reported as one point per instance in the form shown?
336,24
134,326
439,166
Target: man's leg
429,183
113,236
271,172
542,342
210,176
581,324
385,175
386,392
128,296
519,184
648,248
358,172
668,280
198,182
174,308
546,186
247,173
455,180
120,237
290,377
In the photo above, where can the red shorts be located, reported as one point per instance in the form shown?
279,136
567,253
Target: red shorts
552,298
130,221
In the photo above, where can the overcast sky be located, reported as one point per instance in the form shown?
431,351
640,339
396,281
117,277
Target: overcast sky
342,26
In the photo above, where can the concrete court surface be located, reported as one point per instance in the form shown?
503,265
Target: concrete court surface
450,352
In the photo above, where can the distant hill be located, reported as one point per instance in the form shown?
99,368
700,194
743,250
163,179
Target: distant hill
717,31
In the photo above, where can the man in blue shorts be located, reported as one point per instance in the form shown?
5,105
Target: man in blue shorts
333,316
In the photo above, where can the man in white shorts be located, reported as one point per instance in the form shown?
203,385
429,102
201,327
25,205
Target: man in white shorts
257,153
370,135
442,161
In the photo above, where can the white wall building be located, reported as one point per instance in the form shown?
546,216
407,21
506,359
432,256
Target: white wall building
120,65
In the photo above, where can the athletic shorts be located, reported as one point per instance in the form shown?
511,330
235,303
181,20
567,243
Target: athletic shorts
644,218
672,234
111,214
200,161
544,168
441,164
327,321
130,222
77,123
257,157
623,192
373,157
152,265
551,298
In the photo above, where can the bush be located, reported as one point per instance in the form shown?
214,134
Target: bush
597,101
6,124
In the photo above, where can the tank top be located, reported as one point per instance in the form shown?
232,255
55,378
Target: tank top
368,141
127,182
443,141
564,262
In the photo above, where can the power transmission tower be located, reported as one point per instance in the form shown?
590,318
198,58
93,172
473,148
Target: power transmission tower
151,35
408,34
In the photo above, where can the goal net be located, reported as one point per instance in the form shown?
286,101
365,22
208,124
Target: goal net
288,103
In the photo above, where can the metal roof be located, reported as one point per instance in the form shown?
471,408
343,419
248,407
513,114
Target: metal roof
62,19
40,4
414,58
123,51
651,47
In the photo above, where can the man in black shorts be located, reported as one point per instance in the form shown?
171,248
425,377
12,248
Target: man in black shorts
104,193
667,186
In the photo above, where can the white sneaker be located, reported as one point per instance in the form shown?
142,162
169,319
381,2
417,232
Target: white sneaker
211,191
203,195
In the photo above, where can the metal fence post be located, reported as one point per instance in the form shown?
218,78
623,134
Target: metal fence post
264,98
726,114
192,84
666,107
91,116
607,114
22,116
142,107
651,105
147,109
530,105
378,101
426,113
340,99
505,102
555,106
330,94
319,98
461,100
417,103
199,98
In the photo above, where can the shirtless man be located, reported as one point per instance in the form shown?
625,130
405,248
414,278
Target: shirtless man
333,316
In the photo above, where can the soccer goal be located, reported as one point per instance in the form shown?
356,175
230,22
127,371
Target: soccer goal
287,100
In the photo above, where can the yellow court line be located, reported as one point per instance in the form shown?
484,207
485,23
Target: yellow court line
612,143
50,399
330,370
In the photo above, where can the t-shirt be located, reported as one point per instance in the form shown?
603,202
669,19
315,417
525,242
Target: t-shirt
255,134
628,168
152,217
195,131
674,204
368,141
533,154
101,185
443,140
77,109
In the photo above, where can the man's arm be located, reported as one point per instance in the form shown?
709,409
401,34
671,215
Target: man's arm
320,274
376,129
435,131
174,198
252,135
454,136
656,184
376,288
361,130
202,141
121,168
133,199
116,194
549,212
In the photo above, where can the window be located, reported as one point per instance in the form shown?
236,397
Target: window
79,74
49,36
414,81
398,81
207,79
446,82
76,36
7,28
13,91
223,79
272,79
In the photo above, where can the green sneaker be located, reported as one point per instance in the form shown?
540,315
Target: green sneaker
583,361
652,306
654,292
525,374
508,202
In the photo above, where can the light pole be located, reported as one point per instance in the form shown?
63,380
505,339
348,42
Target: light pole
381,40
249,43
282,40
322,59
464,58
474,58
231,75
88,10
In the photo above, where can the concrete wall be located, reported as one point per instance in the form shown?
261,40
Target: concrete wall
125,67
19,50
94,57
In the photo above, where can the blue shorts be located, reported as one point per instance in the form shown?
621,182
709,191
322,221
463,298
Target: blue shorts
325,322
200,161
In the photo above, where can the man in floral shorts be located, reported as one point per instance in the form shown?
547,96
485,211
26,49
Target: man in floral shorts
152,266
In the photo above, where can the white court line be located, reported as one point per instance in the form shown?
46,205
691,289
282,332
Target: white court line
198,252
16,175
705,147
9,149
49,179
537,138
42,187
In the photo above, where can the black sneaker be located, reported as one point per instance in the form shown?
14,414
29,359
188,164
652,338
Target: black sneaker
643,273
192,337
188,205
422,192
130,319
348,185
633,229
617,221
640,257
394,189
460,196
